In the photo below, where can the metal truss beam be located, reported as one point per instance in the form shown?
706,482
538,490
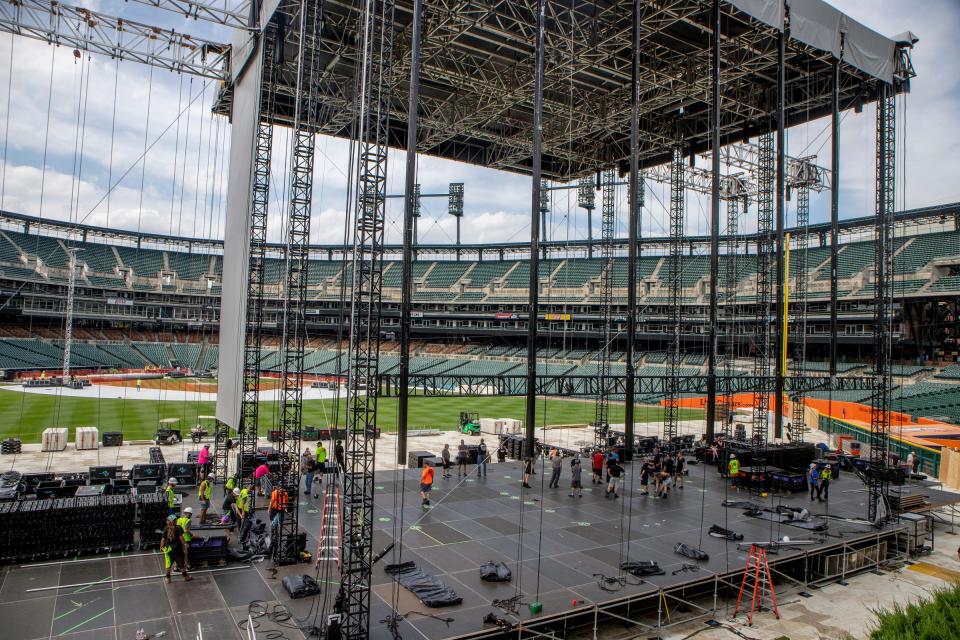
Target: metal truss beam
230,13
765,267
731,278
674,276
601,421
372,133
294,335
62,24
877,481
590,386
798,298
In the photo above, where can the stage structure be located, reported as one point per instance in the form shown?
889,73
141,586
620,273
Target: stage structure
608,210
493,90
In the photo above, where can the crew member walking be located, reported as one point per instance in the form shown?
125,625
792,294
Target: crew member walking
203,460
576,485
597,463
426,483
482,455
445,456
174,549
184,523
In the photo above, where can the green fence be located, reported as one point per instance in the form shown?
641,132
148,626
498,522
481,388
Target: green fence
929,458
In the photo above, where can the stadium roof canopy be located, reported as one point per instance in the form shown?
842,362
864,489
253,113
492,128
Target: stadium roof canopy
476,94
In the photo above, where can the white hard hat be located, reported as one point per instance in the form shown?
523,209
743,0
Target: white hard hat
236,491
172,481
188,510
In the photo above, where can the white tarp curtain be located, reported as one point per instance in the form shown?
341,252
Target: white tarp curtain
819,25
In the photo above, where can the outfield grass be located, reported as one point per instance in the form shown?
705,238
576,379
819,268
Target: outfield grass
26,415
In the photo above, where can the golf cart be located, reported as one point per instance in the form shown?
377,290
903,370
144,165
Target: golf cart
168,431
469,423
205,426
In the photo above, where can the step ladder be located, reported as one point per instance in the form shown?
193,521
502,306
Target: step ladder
328,542
758,581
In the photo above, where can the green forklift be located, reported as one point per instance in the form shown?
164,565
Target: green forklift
469,423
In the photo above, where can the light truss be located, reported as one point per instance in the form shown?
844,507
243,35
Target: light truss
765,276
886,164
731,278
674,276
371,129
798,298
477,102
86,30
601,421
230,13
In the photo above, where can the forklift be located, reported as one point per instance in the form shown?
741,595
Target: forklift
469,423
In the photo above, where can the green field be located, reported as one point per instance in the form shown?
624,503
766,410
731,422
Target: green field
26,415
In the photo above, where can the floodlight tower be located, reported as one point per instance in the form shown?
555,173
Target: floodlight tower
586,199
416,211
455,206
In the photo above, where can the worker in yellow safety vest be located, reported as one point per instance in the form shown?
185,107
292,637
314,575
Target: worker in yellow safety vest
184,523
171,497
243,504
204,494
174,547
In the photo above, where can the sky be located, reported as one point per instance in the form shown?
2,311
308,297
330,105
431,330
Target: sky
119,144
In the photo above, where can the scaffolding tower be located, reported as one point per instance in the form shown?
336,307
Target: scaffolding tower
601,421
799,266
877,479
761,330
674,275
371,132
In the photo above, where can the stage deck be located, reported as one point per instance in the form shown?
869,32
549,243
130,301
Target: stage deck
472,521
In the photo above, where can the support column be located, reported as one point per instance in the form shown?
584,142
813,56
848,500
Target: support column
409,202
674,275
533,307
714,226
780,306
834,208
608,210
634,203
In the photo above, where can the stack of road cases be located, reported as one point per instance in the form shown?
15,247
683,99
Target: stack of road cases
86,438
54,439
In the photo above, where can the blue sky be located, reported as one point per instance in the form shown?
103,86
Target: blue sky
184,170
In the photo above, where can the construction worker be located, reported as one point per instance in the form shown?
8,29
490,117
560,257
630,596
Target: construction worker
278,504
261,472
733,470
243,505
138,384
229,486
184,523
174,548
171,497
426,483
321,456
204,493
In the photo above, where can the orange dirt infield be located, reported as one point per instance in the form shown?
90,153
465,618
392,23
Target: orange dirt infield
182,384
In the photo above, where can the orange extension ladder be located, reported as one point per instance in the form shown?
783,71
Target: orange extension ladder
757,579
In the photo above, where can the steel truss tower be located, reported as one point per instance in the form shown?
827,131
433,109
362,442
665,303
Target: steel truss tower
259,205
877,481
294,335
731,276
674,273
601,422
371,133
765,263
799,266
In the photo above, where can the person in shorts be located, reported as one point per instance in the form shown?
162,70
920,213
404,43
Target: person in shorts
615,471
597,466
426,483
646,468
679,470
576,485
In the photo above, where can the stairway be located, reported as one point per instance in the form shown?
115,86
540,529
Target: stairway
328,542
